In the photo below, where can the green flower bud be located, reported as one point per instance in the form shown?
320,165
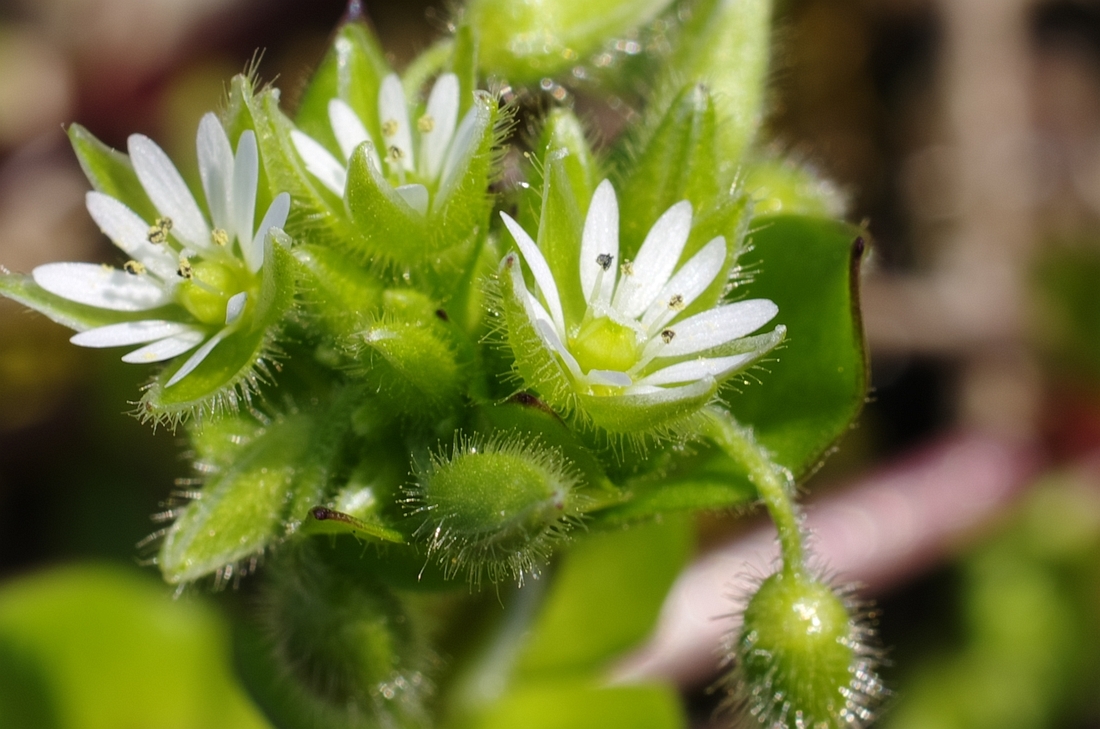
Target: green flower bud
803,658
351,653
494,507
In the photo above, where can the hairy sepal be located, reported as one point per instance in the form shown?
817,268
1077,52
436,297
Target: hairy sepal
261,481
232,372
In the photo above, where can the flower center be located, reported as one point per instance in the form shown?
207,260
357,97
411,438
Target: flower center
603,344
206,289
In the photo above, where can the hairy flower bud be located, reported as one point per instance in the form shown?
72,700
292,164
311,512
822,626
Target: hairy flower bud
803,658
495,507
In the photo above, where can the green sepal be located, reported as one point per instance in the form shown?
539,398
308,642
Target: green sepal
352,70
322,520
235,367
812,388
463,64
387,227
563,130
559,234
336,291
79,317
725,46
110,172
264,479
316,214
679,162
524,41
668,412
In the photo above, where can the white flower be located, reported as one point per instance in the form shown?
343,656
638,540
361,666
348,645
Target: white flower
179,258
440,142
632,338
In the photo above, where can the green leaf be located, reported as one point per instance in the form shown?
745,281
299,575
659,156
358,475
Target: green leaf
79,317
582,705
808,397
257,493
605,598
99,647
352,70
110,172
524,41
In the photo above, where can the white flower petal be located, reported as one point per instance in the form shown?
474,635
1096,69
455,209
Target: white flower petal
416,196
235,307
129,332
246,176
347,127
550,336
462,146
609,377
165,348
656,260
101,286
442,111
692,279
696,369
601,237
196,359
168,191
394,113
275,217
718,326
130,233
539,268
320,163
216,170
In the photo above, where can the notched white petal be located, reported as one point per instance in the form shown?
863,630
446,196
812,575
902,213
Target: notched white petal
415,195
196,359
320,163
437,126
540,269
686,285
130,233
600,244
697,369
129,332
656,260
165,348
216,170
717,326
275,217
246,178
613,378
168,191
235,307
101,286
394,113
347,127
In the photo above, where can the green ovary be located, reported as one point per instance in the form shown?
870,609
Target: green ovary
603,344
207,291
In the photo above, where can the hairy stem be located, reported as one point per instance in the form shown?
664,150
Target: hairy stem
773,483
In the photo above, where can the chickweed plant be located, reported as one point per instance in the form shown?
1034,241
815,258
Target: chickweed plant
456,363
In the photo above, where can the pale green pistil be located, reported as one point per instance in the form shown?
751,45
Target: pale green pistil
603,344
206,289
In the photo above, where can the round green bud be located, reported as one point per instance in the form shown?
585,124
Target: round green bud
494,507
803,660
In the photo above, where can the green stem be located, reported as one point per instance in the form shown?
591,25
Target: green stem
772,482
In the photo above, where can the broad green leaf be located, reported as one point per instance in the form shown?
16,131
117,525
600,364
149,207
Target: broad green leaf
808,397
604,597
110,172
724,45
582,705
352,70
524,41
257,493
79,317
103,647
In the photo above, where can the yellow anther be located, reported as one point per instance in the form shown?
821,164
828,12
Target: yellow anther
676,303
425,124
220,237
627,268
389,127
135,267
668,335
185,270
